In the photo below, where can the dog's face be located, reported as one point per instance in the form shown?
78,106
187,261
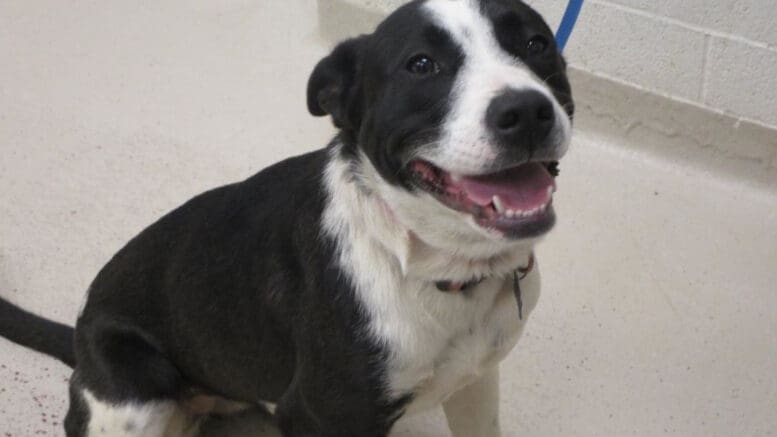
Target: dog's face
462,109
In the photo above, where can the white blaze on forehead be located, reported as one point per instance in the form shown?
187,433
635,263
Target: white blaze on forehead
488,70
474,33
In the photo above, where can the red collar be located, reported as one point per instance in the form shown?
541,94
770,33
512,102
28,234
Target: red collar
455,287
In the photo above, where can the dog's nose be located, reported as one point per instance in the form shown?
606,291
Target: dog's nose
520,117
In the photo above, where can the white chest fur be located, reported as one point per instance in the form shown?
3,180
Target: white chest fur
449,340
438,342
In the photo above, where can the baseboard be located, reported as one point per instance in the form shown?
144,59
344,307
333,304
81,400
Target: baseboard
622,114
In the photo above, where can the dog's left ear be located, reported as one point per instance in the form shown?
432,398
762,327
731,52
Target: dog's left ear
333,87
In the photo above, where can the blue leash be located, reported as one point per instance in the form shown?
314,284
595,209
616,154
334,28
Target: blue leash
568,23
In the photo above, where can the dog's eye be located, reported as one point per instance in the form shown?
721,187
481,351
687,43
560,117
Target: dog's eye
537,45
422,65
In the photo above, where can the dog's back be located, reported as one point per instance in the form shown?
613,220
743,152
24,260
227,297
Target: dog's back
229,256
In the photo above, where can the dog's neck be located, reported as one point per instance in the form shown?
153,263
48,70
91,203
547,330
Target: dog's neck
360,207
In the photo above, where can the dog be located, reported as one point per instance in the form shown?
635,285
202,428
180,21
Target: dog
382,275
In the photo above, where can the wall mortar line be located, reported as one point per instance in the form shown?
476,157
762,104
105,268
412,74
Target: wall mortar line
688,26
705,73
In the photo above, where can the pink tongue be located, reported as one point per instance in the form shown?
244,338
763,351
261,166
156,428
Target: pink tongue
521,188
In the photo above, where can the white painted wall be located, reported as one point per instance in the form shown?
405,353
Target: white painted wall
720,54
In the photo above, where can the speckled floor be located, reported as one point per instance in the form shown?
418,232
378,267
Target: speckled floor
660,282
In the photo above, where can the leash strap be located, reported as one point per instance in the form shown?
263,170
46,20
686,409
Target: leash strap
568,23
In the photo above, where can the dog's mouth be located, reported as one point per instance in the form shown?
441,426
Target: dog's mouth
517,202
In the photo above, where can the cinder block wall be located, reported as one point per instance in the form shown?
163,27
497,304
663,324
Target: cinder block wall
719,54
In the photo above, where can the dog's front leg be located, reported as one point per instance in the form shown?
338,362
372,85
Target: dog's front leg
474,410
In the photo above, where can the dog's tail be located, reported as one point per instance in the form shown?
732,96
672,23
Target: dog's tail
34,332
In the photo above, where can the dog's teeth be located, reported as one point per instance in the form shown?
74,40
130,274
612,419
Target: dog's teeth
455,177
550,193
510,213
543,208
498,205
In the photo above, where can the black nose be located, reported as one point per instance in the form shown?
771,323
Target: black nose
520,117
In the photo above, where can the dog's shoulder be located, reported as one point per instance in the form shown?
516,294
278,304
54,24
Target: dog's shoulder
223,242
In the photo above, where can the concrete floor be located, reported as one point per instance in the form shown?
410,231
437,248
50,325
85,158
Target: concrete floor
659,283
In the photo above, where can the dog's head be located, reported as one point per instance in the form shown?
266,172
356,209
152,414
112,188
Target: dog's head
461,109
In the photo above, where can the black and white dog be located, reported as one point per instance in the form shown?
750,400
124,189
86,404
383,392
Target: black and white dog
385,274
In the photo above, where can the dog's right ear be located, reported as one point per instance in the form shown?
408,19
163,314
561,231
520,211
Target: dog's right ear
333,87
